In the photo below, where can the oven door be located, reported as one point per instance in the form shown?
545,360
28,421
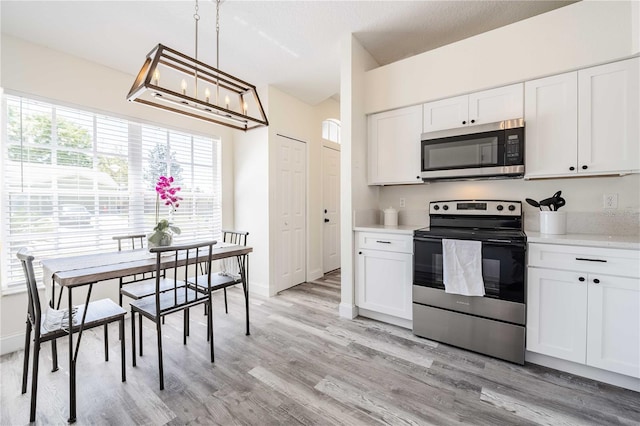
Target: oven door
503,264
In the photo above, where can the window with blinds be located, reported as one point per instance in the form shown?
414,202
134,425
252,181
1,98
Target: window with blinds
72,179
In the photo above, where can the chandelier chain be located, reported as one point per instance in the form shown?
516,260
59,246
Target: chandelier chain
218,34
196,17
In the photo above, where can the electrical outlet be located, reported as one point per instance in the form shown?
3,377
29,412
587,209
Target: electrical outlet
610,201
402,202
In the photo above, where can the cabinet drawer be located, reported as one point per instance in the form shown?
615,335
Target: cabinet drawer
387,242
618,262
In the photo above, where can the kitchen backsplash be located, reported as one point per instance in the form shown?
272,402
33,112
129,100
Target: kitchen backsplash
605,223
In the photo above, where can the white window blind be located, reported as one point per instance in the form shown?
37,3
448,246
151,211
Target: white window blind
72,179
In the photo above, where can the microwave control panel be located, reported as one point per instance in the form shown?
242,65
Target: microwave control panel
513,147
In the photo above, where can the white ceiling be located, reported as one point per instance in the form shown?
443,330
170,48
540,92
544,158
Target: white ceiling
293,45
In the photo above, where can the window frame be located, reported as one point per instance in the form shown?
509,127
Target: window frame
133,194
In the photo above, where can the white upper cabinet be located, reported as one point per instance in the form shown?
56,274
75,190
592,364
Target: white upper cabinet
446,113
488,106
584,122
394,146
608,118
551,125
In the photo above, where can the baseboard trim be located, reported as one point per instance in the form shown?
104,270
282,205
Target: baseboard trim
314,275
348,311
12,343
260,289
390,319
587,371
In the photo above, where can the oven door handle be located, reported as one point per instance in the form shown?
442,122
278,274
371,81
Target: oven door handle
489,241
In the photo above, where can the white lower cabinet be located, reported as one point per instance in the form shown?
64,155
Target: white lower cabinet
590,318
613,334
556,314
384,276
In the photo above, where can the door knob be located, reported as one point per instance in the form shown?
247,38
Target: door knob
326,220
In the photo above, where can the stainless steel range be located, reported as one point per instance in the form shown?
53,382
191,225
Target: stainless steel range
495,323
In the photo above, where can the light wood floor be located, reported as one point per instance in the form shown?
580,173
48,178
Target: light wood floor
303,364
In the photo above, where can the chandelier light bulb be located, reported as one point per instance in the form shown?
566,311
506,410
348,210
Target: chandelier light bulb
156,77
207,95
184,87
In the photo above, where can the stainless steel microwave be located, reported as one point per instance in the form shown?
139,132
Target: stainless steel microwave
485,151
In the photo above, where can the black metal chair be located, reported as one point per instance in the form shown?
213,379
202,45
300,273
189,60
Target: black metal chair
131,242
179,297
226,278
139,285
98,313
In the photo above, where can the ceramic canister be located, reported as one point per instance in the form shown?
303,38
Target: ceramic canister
390,217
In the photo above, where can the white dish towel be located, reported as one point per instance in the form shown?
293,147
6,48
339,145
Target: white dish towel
462,267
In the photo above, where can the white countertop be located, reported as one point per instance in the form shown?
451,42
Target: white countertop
400,229
589,240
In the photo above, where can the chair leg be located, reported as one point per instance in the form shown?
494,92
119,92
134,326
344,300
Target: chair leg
208,316
106,342
133,337
27,350
34,379
160,367
122,351
140,332
185,321
210,329
226,310
54,355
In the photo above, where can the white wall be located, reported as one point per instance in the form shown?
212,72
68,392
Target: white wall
293,118
37,71
354,192
255,177
574,36
251,185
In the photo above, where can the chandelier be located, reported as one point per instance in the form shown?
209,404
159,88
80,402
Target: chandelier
175,82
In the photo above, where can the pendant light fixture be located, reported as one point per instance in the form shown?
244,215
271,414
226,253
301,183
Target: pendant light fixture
175,82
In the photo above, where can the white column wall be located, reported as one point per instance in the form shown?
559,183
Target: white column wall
354,192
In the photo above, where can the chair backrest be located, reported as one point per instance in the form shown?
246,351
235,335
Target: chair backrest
34,310
181,256
235,237
130,242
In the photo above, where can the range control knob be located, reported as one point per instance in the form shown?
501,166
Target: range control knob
445,207
512,207
436,207
500,207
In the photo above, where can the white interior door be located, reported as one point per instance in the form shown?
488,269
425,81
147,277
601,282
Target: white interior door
331,203
291,206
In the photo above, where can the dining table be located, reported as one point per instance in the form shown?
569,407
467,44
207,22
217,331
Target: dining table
73,272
